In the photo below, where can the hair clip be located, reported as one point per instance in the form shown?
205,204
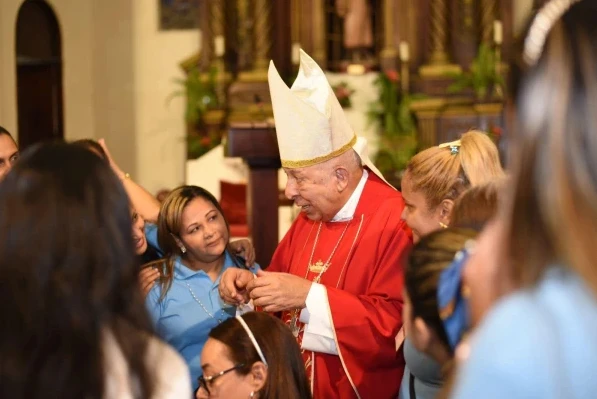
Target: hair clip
542,24
453,145
452,305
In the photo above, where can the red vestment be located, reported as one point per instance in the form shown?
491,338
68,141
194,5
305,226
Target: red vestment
364,288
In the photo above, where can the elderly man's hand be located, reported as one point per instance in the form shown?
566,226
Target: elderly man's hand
233,284
275,292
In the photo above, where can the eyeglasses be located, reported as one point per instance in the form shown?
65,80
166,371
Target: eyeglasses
204,381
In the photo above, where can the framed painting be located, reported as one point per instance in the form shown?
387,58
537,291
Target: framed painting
179,14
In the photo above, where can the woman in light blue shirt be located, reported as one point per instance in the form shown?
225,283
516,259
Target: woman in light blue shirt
185,304
540,341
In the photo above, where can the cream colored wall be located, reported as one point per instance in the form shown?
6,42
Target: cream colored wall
160,128
75,18
8,107
118,71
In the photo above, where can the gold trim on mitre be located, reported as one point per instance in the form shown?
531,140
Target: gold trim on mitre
316,160
310,123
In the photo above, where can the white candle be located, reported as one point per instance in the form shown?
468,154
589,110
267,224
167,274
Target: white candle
296,53
404,53
497,32
219,46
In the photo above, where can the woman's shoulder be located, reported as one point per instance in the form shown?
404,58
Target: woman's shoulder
532,333
169,372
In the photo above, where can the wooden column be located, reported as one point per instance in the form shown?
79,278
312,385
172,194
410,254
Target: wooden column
319,28
282,42
488,16
262,33
389,54
438,63
465,37
206,37
258,146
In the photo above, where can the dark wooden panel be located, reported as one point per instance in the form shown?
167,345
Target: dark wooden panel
252,142
258,146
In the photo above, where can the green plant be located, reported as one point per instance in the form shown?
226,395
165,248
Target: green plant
398,138
482,76
199,145
200,92
343,92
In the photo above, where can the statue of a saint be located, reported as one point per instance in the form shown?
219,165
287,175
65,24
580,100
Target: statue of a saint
358,31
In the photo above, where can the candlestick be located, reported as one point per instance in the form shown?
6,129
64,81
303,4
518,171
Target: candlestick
404,51
296,53
497,32
219,46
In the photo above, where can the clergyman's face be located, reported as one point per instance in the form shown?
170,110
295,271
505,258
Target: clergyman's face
312,189
9,154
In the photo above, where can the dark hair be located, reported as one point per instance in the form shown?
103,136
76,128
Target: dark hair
552,212
429,257
169,225
93,146
286,376
476,206
68,276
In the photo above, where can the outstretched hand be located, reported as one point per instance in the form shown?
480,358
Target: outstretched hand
233,284
275,292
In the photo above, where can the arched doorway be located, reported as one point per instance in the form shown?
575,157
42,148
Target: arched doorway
39,73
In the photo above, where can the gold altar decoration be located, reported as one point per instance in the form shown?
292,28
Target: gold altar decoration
262,42
439,59
488,16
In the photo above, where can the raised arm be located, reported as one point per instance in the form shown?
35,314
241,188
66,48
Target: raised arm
144,203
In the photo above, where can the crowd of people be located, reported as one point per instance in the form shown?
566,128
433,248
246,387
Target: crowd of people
470,282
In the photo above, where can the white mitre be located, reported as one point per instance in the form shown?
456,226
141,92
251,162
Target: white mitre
310,123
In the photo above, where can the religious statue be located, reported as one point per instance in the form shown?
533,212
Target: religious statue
358,30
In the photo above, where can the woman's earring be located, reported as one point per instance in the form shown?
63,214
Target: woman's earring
183,249
252,394
443,225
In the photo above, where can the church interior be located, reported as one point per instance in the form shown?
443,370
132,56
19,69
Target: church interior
178,88
298,199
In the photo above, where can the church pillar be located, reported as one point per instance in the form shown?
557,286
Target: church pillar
319,29
438,63
488,16
262,34
389,55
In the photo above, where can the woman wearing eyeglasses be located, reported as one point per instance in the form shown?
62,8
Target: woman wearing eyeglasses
252,356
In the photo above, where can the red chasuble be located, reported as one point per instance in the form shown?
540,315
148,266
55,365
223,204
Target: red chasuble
363,280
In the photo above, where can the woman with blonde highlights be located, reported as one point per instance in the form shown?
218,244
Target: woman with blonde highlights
436,177
539,342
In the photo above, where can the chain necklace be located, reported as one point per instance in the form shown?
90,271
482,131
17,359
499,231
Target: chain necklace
201,304
322,267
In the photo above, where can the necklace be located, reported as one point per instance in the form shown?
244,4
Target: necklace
201,304
320,267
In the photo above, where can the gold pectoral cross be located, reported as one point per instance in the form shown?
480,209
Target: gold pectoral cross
319,267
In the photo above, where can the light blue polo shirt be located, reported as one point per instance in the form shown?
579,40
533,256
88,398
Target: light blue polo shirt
178,318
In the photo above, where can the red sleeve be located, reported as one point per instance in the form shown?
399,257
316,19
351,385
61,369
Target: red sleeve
366,325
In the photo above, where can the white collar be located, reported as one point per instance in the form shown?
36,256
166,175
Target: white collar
348,210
